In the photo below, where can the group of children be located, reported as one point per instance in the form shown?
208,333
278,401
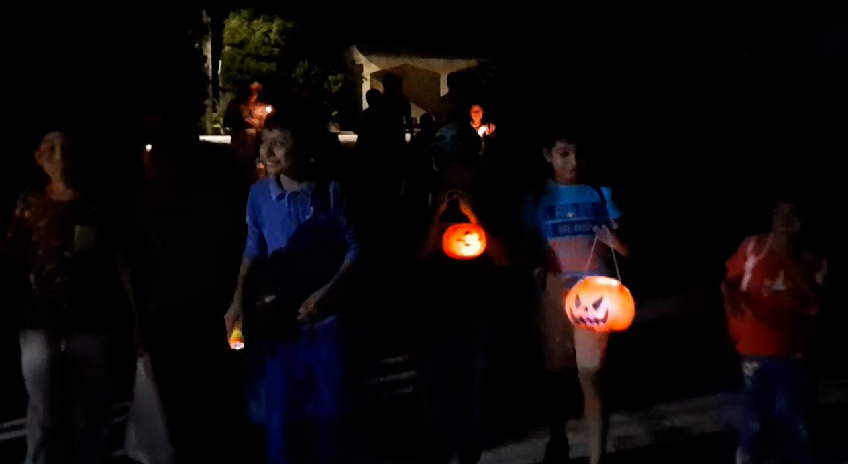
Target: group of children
770,291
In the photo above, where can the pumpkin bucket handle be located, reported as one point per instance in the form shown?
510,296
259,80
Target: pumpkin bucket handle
592,255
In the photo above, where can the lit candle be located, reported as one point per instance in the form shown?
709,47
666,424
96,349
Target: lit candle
237,338
482,131
148,147
268,109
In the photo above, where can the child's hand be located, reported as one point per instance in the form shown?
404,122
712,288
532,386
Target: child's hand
465,207
606,236
310,308
233,315
443,199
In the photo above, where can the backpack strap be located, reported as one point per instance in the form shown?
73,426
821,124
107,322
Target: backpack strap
605,211
322,198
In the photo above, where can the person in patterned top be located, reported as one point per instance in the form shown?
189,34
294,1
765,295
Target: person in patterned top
80,294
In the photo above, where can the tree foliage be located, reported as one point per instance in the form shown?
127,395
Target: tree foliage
254,48
275,52
310,75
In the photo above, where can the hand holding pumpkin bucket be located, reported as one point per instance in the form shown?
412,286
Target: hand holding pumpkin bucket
600,304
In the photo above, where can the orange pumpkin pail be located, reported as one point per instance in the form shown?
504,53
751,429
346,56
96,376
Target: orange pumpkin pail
464,241
601,304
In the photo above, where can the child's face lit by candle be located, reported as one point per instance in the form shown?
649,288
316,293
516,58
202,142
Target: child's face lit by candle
477,115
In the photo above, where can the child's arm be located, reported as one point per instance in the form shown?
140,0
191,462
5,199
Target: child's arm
312,306
609,234
432,239
810,279
255,246
16,242
731,295
731,284
609,237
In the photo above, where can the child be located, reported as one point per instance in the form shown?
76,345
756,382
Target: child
770,294
456,299
81,295
291,220
575,225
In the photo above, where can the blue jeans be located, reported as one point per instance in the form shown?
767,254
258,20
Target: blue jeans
254,366
774,389
304,385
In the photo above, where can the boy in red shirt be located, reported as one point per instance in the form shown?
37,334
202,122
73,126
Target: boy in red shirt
770,296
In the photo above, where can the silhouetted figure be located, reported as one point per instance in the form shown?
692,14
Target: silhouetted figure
190,222
454,104
373,127
397,105
312,108
316,117
421,141
419,175
380,155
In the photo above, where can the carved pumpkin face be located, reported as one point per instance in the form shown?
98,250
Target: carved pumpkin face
601,304
464,241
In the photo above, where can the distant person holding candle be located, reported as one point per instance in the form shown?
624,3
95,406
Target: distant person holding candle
300,241
477,123
486,131
245,117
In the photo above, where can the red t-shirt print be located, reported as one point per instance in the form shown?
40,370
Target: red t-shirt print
776,316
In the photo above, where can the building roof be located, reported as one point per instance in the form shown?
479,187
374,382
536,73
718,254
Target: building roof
456,51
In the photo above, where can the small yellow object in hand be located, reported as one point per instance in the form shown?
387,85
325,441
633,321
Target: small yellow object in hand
237,338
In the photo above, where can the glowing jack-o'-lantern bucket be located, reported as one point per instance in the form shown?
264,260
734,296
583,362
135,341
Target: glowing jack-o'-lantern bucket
601,304
464,241
237,338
